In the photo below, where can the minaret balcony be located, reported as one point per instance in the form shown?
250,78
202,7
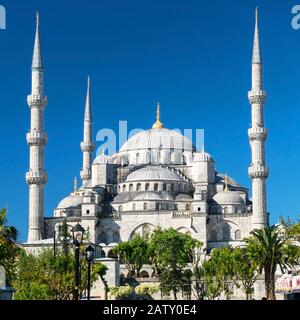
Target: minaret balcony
38,178
258,133
257,97
258,171
87,146
37,101
36,138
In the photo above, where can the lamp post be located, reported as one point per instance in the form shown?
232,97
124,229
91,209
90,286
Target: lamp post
77,233
90,252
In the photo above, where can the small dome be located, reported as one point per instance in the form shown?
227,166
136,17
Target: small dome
153,173
228,197
183,197
71,201
147,196
202,157
103,159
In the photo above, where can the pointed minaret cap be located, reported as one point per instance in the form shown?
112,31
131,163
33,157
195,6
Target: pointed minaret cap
256,55
158,124
88,110
37,56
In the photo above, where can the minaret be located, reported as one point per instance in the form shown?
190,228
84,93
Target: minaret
87,145
258,170
36,177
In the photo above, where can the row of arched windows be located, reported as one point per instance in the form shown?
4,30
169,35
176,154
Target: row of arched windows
226,234
153,187
232,209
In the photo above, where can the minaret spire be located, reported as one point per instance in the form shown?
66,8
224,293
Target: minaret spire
87,145
258,170
256,55
37,56
36,177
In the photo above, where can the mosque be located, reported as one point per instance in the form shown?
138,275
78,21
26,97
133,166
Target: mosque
157,178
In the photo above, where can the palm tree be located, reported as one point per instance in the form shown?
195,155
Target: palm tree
271,247
8,234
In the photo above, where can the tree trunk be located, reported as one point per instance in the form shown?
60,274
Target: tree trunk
175,295
270,285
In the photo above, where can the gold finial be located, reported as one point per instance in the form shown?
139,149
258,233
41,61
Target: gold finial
158,124
226,182
75,184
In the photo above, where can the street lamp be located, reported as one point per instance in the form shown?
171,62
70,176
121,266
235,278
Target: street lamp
90,252
77,233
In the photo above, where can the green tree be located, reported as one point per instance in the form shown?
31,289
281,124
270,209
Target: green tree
271,247
222,260
8,247
245,270
45,277
101,269
211,280
134,254
169,252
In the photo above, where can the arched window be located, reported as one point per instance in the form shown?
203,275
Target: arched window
158,157
236,209
130,187
172,187
157,206
138,187
187,207
148,157
155,186
164,187
147,187
226,232
214,235
111,254
137,158
120,208
134,207
119,188
238,235
124,188
144,274
145,206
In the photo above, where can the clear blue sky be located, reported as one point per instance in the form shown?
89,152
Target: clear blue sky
193,56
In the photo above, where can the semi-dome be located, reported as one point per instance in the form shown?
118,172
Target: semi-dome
183,197
71,201
160,138
103,159
147,196
153,173
228,197
202,157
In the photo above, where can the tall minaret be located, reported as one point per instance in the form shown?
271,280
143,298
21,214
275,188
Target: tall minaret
36,177
87,145
258,170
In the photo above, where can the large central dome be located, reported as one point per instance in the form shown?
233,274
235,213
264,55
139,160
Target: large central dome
158,139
